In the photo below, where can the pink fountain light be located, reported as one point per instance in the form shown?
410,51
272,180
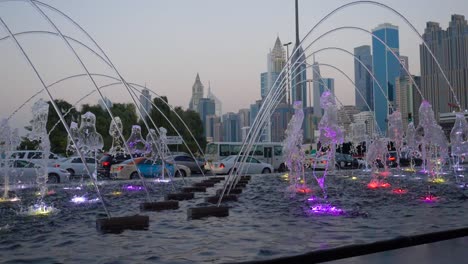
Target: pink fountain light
399,191
430,198
376,184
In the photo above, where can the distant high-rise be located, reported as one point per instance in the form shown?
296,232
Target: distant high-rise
450,47
276,60
316,91
386,68
197,94
106,102
244,117
406,98
231,128
363,79
218,103
145,103
206,107
279,122
213,128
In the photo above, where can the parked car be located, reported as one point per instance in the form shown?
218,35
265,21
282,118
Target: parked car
181,170
24,171
345,161
75,166
147,167
315,162
250,166
405,159
195,165
107,160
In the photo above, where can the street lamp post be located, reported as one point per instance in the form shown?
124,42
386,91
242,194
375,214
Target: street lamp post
287,58
310,91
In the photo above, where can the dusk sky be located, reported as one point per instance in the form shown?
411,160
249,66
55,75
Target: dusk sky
164,44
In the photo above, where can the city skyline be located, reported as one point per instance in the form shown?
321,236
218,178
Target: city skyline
168,66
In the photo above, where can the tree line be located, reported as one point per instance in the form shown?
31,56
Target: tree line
129,115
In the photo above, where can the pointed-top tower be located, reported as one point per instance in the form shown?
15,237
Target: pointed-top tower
276,57
197,94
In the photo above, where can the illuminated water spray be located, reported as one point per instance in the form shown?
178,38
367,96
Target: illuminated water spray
293,153
459,141
330,134
9,141
117,144
434,145
38,133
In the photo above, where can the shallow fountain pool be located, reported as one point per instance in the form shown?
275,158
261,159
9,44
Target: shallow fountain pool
267,221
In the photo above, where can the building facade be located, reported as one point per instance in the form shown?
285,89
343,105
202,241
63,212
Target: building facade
231,127
386,68
145,103
366,117
346,117
206,107
362,78
450,47
213,128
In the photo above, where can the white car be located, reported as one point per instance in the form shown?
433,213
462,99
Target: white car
250,166
24,172
75,166
316,163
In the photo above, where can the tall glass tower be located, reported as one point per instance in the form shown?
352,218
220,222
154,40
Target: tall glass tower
363,79
386,68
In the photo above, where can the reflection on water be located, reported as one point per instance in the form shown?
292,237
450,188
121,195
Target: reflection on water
267,221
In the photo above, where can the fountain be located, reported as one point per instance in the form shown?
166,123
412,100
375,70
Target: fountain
434,145
459,141
376,156
330,135
293,153
114,128
9,141
136,144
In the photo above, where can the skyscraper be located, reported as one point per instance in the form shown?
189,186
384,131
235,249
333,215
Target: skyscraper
231,129
206,107
316,91
197,94
145,103
276,60
363,79
213,128
386,68
218,104
450,48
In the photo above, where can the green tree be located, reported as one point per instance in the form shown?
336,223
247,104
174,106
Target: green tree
59,136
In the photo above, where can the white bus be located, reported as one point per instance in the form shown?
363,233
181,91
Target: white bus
269,152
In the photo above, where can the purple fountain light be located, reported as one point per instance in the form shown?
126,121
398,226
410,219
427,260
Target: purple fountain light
326,209
133,188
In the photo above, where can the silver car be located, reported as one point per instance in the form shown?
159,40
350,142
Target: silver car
25,172
193,164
